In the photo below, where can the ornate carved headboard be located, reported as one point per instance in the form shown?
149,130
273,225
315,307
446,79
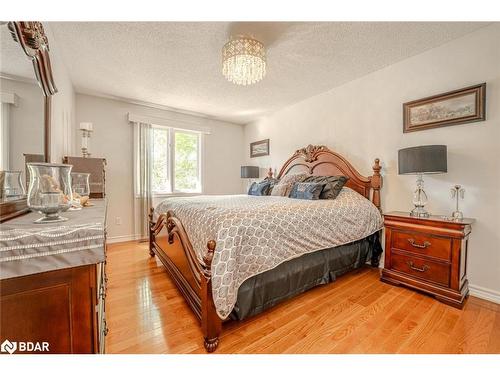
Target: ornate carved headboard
321,161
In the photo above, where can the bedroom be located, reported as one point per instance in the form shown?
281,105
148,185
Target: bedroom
297,187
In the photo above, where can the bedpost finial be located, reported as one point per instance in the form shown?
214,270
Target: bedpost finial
211,246
376,167
376,183
208,257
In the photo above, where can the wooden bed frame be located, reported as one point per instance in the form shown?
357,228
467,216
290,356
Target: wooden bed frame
170,242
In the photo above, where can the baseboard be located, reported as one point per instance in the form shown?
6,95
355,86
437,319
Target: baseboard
128,237
484,293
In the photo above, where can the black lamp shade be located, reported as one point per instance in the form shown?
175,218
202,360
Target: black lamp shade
423,159
248,171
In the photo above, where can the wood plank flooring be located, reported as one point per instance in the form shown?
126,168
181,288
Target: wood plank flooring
355,314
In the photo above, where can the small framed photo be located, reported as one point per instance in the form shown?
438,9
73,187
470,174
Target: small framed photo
451,108
259,148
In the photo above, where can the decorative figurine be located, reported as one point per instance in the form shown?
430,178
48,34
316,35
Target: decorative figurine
457,192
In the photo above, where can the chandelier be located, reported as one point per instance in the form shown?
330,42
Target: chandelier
243,61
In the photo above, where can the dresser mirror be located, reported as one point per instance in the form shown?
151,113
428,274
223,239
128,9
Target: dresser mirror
26,87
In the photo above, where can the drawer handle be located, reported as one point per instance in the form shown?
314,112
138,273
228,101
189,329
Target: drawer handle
413,267
412,242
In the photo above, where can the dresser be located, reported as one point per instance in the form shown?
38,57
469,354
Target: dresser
96,168
53,283
427,254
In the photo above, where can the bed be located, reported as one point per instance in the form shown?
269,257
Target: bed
235,256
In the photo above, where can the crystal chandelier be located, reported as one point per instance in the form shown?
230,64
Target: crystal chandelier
243,61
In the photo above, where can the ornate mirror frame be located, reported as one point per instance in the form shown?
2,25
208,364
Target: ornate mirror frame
32,38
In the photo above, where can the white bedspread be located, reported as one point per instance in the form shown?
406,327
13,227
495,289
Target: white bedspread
255,234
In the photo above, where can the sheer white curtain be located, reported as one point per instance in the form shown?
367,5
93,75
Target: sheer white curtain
142,177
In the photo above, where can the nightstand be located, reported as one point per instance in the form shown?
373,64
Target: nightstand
427,254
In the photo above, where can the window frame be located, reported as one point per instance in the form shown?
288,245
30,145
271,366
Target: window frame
171,131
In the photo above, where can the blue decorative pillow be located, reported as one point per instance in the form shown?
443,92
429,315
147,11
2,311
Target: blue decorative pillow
260,188
306,190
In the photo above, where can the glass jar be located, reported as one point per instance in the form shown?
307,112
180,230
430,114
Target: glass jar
80,187
49,190
12,185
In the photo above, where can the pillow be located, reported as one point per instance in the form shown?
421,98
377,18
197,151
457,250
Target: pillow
285,185
259,188
333,185
273,181
279,190
306,190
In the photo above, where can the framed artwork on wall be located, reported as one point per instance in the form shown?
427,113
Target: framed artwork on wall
259,148
451,108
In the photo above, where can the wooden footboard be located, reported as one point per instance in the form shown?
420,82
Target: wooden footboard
169,241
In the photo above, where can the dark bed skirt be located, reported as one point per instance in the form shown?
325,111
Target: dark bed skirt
291,278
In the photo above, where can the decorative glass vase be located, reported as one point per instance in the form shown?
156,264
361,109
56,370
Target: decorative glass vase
49,190
80,187
12,185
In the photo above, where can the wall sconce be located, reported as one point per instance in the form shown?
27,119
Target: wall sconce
86,128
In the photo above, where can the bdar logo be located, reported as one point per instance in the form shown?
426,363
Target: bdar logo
8,347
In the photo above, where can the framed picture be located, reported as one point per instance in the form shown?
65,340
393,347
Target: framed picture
259,148
451,108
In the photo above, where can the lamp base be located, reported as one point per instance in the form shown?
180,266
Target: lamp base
419,211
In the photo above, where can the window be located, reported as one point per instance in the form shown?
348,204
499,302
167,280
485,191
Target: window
176,164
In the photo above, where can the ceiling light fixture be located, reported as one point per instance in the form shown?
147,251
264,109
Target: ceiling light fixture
243,60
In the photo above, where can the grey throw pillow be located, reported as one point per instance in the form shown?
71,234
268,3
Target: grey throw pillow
306,190
333,185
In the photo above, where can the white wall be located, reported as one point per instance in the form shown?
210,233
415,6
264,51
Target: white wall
113,139
63,105
363,120
25,121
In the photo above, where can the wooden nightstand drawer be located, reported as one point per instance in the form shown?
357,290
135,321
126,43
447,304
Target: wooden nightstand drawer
422,244
422,268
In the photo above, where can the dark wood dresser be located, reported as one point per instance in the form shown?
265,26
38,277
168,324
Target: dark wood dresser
53,283
427,254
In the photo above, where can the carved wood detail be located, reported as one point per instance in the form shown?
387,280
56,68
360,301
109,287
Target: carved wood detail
310,153
320,160
32,38
199,298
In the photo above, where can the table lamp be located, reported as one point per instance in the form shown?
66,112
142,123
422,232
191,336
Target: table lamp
249,172
422,160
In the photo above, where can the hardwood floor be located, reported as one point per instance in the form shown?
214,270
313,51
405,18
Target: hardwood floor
355,314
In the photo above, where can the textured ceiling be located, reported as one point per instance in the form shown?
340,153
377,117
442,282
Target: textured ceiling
178,64
13,61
